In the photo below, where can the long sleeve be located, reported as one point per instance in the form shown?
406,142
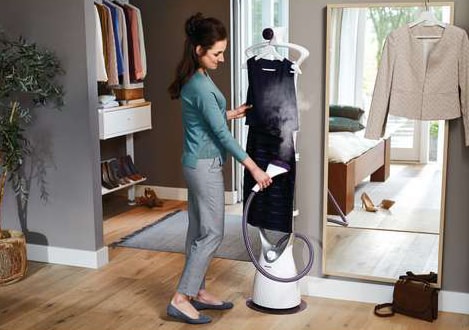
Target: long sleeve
117,42
141,41
216,120
206,133
108,44
463,67
379,109
100,65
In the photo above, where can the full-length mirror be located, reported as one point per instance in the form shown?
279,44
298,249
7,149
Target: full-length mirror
384,197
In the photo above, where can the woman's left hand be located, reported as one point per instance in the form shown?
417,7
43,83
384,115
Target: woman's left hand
239,112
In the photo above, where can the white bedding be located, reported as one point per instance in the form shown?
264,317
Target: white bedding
344,146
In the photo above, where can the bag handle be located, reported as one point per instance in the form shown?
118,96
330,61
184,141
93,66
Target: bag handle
428,278
416,279
379,307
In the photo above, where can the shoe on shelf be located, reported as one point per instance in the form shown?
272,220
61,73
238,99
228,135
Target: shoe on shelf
386,204
111,174
114,168
126,170
106,182
135,174
367,204
180,316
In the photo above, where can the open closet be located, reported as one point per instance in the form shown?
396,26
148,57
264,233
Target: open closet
123,109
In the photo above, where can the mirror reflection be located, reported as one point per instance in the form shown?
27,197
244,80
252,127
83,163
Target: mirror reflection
386,196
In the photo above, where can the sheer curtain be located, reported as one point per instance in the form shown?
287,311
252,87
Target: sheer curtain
348,58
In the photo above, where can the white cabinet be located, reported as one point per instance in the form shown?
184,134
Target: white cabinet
125,120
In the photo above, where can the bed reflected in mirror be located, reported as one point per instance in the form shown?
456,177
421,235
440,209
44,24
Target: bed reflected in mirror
384,199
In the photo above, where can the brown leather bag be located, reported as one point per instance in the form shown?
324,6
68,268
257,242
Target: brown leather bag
414,297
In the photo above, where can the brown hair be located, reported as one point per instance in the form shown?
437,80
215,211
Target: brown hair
200,31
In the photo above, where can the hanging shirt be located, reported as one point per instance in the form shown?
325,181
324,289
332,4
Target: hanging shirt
135,59
117,36
124,78
101,74
109,48
421,78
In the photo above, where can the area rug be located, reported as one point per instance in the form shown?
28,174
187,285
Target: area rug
169,233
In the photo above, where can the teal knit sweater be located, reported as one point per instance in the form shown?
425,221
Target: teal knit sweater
206,134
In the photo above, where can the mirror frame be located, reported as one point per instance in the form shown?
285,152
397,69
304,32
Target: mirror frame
330,7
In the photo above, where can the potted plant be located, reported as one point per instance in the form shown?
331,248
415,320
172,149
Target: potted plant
27,82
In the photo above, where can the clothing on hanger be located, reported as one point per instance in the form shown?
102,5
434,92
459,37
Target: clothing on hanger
141,41
273,121
421,80
116,25
124,23
101,74
272,94
124,78
109,48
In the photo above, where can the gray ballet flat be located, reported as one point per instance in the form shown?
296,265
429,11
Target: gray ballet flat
200,305
180,316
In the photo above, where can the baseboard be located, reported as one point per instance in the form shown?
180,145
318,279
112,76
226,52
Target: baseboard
180,194
454,302
69,257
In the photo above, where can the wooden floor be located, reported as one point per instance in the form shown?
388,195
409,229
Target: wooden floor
132,292
387,243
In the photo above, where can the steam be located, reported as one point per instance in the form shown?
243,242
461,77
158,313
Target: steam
282,115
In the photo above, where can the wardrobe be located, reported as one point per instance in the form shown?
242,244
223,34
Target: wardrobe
123,109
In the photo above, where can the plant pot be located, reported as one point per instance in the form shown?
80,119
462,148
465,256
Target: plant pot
13,258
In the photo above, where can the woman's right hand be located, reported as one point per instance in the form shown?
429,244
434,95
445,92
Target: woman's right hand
261,177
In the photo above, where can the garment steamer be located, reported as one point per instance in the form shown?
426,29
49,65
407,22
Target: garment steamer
276,287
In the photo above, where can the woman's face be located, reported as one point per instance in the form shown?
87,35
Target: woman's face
213,56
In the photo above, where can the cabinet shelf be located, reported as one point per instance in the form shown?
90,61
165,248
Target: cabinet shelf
124,120
120,121
105,191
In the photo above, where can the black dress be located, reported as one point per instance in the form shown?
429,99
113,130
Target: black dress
272,122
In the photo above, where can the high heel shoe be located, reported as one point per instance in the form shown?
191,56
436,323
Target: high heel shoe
386,204
367,204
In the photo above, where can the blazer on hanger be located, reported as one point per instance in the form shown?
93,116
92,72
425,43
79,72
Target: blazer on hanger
423,81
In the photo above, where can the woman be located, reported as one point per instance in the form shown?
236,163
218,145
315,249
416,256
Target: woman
207,139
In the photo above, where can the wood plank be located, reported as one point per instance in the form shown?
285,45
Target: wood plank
132,292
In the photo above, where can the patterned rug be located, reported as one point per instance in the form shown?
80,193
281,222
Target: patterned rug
169,233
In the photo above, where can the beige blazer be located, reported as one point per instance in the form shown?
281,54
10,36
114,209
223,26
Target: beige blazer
425,79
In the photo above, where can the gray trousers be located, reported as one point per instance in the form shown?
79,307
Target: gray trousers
206,211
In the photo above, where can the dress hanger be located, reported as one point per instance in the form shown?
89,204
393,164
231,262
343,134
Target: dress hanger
267,48
269,51
427,18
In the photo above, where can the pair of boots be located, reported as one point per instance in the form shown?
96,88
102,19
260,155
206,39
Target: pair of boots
149,199
368,205
111,175
120,171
